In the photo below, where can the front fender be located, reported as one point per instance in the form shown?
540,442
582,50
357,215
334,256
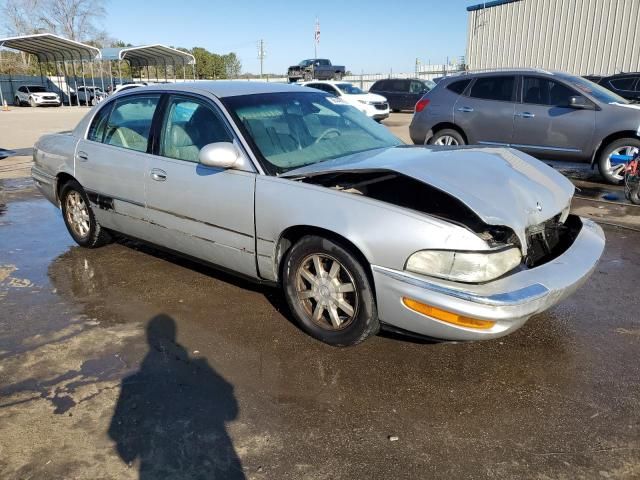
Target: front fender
385,234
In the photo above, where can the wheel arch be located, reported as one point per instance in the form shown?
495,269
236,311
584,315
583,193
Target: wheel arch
294,233
442,126
609,139
62,178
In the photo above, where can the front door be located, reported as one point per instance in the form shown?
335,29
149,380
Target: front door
205,212
486,114
112,161
546,126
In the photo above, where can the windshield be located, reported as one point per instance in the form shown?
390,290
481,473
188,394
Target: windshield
596,91
349,89
305,63
36,89
290,130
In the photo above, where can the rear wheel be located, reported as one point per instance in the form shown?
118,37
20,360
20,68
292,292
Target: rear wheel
447,136
329,292
338,76
614,174
79,218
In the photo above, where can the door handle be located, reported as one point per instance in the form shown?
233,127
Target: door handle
158,175
524,115
465,109
82,156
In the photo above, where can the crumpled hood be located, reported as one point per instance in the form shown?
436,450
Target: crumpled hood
502,186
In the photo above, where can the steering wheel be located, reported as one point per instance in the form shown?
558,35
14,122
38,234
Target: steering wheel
327,132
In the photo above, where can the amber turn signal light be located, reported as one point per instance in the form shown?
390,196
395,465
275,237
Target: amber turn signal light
445,316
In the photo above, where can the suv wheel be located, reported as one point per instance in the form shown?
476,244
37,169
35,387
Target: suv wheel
614,174
447,136
329,292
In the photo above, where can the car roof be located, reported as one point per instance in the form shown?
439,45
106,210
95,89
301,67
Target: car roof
226,88
512,71
328,82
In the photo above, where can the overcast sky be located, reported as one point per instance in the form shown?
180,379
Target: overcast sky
371,36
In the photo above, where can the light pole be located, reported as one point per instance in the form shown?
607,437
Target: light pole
261,54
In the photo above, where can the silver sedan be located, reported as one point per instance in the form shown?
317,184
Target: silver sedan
290,186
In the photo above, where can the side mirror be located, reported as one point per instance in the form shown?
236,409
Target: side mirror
580,103
220,155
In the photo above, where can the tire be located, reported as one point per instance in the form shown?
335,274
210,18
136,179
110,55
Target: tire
634,196
357,325
307,77
447,135
17,102
92,101
338,76
618,146
32,102
96,235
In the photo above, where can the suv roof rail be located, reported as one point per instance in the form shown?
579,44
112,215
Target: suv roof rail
505,69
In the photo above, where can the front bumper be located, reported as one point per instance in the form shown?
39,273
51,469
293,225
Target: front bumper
372,112
509,301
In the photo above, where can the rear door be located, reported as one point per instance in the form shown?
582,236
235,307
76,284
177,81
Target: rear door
202,211
112,161
546,126
485,113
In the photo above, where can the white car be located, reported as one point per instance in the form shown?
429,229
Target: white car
372,105
128,86
89,95
36,96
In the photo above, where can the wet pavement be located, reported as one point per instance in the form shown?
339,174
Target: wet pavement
124,363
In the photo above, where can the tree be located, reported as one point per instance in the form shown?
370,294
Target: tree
232,64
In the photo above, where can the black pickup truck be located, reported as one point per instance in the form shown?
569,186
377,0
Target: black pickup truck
315,69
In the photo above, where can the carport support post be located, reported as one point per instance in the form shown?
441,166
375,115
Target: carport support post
1,95
120,70
75,81
41,75
193,69
84,85
147,69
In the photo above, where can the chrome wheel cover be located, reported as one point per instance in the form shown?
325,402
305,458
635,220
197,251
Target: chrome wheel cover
326,291
617,171
77,213
446,140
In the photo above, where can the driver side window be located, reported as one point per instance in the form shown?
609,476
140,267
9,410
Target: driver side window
190,125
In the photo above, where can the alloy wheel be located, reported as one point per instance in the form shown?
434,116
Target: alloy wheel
446,140
327,292
617,171
77,214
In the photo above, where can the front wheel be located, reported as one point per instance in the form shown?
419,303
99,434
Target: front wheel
329,292
17,102
32,102
79,218
614,174
447,136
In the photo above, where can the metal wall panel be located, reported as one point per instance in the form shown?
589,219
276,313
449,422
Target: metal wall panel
577,36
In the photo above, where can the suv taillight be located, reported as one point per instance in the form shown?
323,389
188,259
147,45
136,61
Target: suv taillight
422,104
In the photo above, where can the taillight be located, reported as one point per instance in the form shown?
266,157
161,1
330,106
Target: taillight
422,104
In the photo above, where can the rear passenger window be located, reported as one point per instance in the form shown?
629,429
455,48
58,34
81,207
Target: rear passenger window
99,124
493,88
130,122
398,85
189,126
380,85
417,87
459,86
623,83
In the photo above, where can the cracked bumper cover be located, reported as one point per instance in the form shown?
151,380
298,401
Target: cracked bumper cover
509,301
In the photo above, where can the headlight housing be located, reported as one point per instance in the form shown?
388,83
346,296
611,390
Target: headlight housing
468,267
366,102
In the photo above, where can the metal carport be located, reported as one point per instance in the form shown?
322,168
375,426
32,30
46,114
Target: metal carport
151,55
50,48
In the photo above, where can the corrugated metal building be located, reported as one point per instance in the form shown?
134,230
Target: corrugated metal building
577,36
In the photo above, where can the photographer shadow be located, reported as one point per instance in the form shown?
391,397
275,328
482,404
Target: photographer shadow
171,414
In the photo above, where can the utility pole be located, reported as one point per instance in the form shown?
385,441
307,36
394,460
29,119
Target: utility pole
316,38
261,54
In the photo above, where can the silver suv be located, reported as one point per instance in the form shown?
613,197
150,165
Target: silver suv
550,115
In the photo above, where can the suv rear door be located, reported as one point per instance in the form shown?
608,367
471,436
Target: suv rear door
485,113
546,126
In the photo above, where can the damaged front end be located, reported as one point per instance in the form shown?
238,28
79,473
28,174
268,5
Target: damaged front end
544,241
